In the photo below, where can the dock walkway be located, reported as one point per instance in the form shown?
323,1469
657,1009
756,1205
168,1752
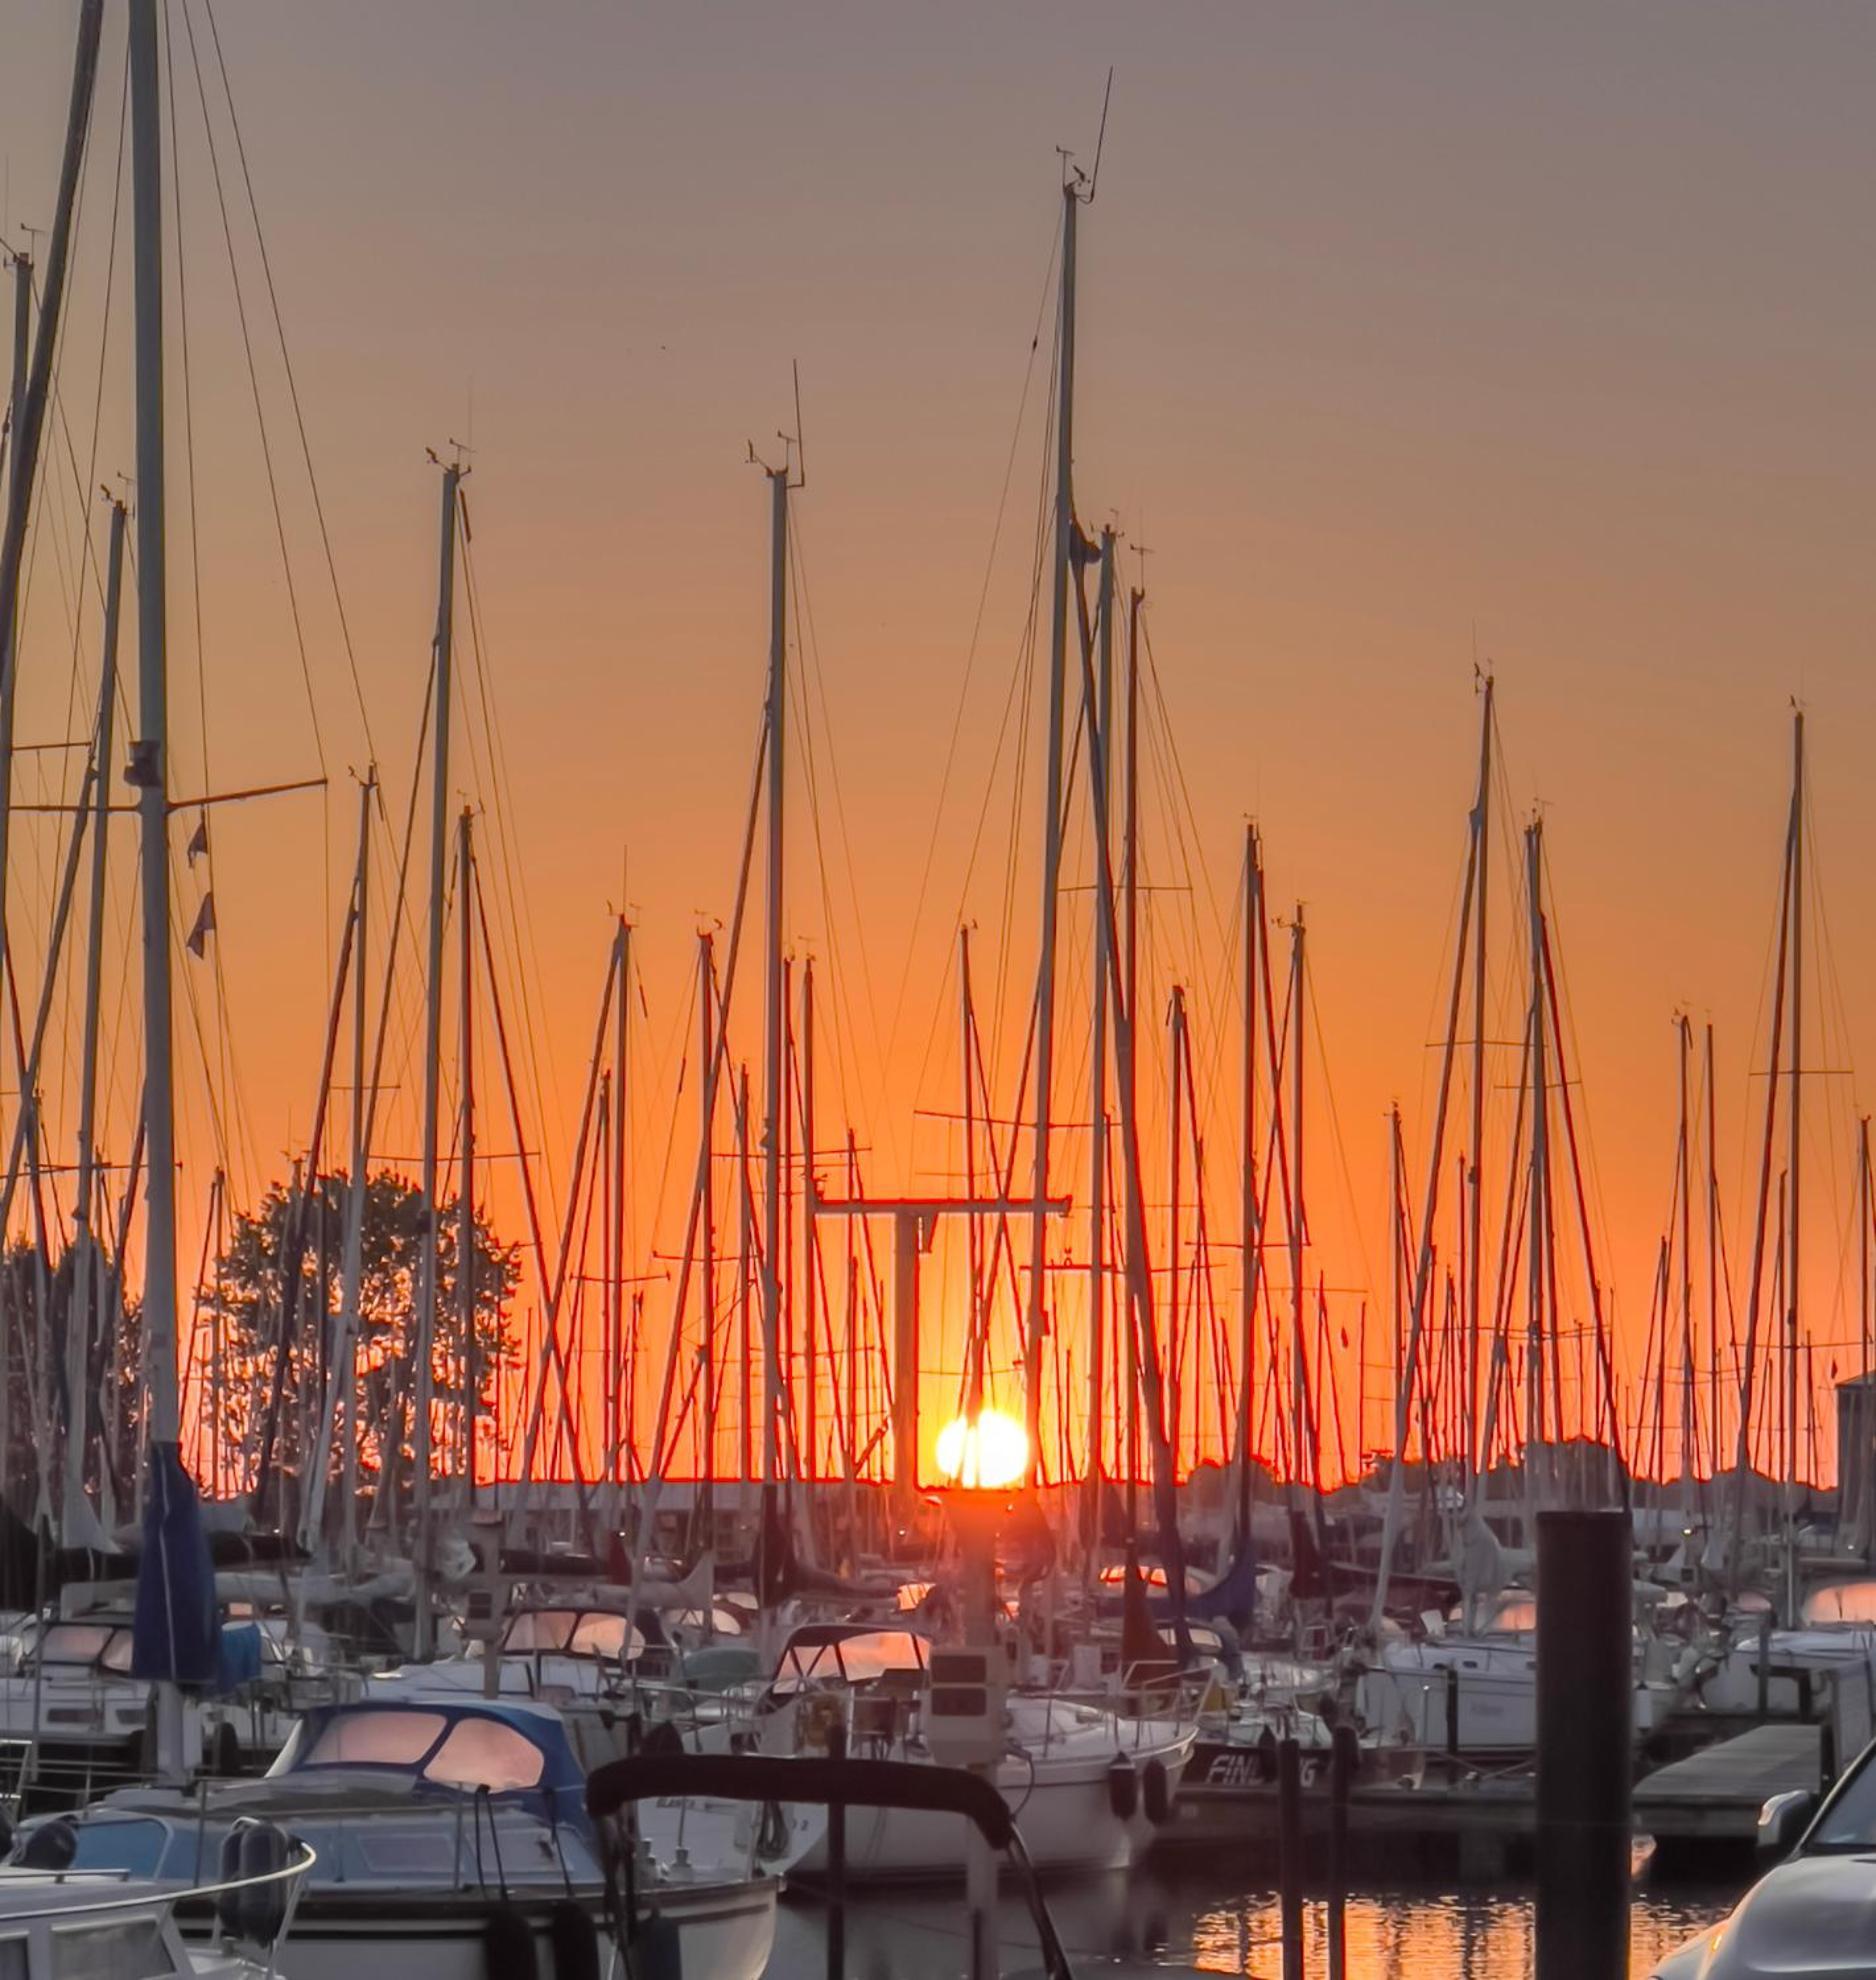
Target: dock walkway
1715,1795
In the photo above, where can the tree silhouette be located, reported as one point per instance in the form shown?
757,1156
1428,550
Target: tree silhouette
275,1389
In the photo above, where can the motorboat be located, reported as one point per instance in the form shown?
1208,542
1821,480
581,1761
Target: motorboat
1088,1783
451,1837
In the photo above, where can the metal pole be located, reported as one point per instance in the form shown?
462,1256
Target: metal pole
1062,576
1097,1077
466,1189
1290,1855
1585,1684
429,1284
1482,840
79,1328
707,1290
1795,1144
774,1011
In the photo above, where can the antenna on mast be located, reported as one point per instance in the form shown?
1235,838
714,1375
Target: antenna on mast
1107,97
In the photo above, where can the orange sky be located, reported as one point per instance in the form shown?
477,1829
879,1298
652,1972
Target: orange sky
1407,334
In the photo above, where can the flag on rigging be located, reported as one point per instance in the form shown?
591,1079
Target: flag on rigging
204,926
198,840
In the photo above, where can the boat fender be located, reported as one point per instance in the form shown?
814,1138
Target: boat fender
508,1944
51,1846
657,1952
1267,1755
226,1763
228,1903
1156,1792
6,1836
1123,1787
261,1909
575,1940
772,1836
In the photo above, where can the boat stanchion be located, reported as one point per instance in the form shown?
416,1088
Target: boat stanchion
836,1866
1585,1684
1344,1758
1290,1855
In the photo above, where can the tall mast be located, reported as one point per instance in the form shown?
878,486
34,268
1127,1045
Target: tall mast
1538,1216
79,1328
1062,576
1299,1400
1794,1122
1100,811
150,752
623,1334
466,1188
1175,1056
338,1417
1130,978
1475,1155
811,1361
1713,1265
1689,1429
707,1289
444,653
1250,1233
775,1072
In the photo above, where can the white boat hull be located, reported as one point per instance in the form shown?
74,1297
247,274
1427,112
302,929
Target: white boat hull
1063,1812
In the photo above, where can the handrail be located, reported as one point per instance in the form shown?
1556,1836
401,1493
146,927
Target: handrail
154,1896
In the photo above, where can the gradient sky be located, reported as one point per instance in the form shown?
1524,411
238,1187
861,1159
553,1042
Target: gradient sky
1409,333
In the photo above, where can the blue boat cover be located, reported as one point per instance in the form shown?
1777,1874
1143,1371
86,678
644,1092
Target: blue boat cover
174,1632
238,1660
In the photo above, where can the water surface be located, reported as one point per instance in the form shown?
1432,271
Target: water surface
1195,1912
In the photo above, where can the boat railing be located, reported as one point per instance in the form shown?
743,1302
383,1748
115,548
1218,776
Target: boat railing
152,1899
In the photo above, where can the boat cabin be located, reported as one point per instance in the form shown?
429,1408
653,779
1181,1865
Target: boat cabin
508,1749
822,1656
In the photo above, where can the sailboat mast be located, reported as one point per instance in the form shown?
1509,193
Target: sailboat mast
79,1330
428,1286
338,1394
1299,1400
707,1235
466,1191
351,1290
1250,1233
1794,1124
1062,576
1689,1428
149,756
1475,1156
1538,1243
775,1073
1097,1066
1713,1264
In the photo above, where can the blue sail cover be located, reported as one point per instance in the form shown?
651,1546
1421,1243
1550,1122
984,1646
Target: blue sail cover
175,1633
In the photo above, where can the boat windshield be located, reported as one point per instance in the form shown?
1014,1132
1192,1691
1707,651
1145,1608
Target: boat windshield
366,1739
1846,1602
469,1752
573,1633
82,1643
485,1753
852,1660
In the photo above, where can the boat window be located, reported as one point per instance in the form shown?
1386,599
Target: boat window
1847,1602
374,1739
108,1952
601,1635
134,1848
74,1643
486,1753
539,1629
397,1856
1514,1615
